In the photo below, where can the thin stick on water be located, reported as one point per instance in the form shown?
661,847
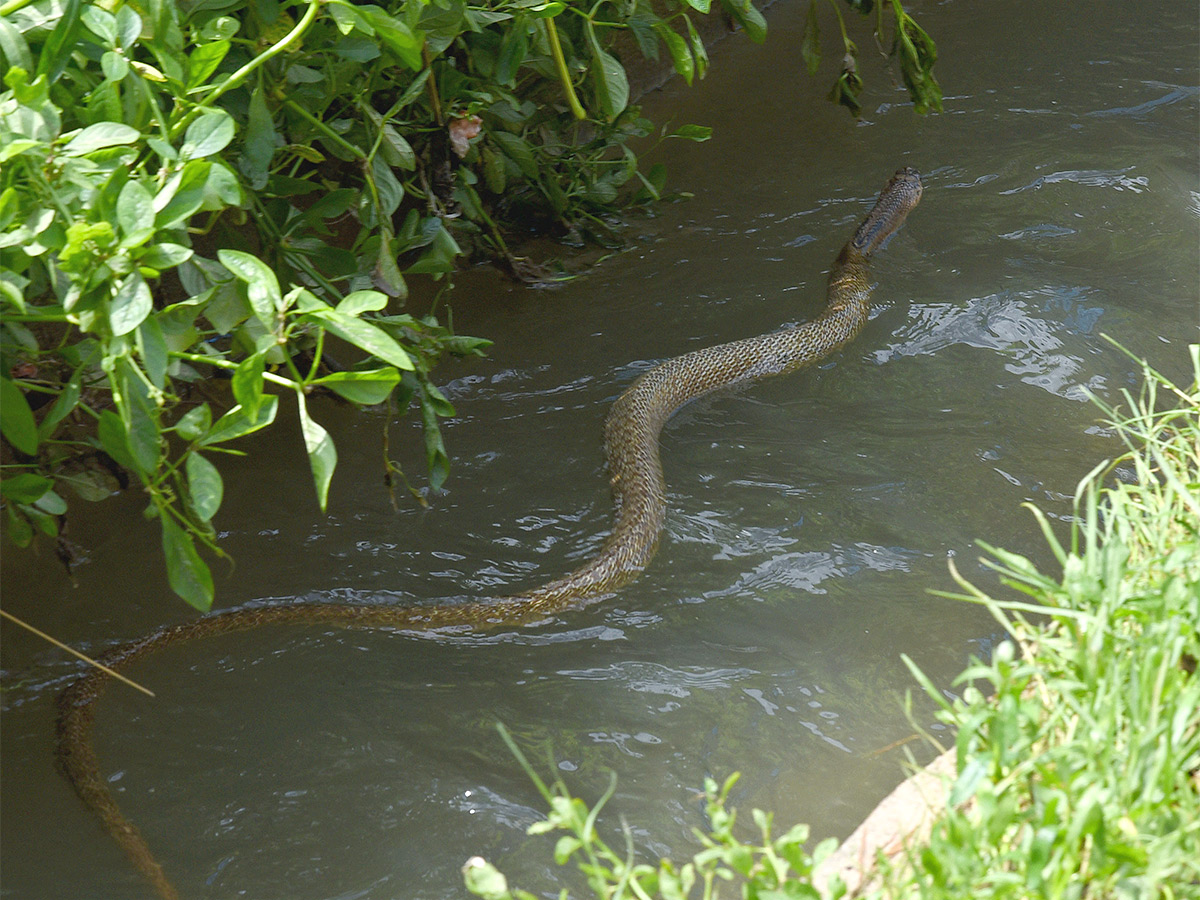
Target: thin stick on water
87,659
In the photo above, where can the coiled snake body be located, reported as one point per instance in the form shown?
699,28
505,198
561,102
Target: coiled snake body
631,446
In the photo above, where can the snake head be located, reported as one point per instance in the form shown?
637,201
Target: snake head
897,199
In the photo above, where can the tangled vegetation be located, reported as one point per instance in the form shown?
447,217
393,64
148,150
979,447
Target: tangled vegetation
209,207
1078,741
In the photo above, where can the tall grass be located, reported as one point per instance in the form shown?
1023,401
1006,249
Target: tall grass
1082,764
1078,741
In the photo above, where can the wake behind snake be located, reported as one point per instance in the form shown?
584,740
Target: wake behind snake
631,448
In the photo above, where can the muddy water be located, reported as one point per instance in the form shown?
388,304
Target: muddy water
810,516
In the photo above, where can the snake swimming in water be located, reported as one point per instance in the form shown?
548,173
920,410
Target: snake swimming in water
631,446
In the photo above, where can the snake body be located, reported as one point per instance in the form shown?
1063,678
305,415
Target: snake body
631,447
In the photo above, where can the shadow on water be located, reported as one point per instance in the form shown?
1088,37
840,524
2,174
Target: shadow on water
809,515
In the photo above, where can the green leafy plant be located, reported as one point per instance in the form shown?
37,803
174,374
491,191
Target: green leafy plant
113,317
1080,754
911,45
206,205
771,868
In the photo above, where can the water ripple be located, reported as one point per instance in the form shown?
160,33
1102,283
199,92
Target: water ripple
1112,178
655,678
805,571
1004,322
1174,94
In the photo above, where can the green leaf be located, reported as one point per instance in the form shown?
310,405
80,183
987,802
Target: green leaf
698,49
386,274
847,88
203,61
45,522
436,458
441,255
415,89
387,186
495,173
143,437
221,189
248,383
547,9
51,504
748,16
485,880
26,487
237,423
92,485
165,256
810,41
194,424
364,335
135,214
39,220
608,78
359,302
681,54
514,47
394,147
259,142
567,844
130,304
364,387
99,136
208,134
13,46
114,440
56,53
19,529
182,195
153,349
129,27
187,573
15,148
322,455
518,150
697,133
222,28
395,35
262,287
437,400
204,485
16,419
66,401
918,53
114,65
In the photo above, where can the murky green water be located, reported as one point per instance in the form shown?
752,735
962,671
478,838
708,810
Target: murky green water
810,515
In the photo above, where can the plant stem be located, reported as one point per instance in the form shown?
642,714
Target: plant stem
236,79
560,64
87,659
325,130
434,100
14,6
226,364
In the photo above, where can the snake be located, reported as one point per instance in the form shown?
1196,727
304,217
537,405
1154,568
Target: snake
631,435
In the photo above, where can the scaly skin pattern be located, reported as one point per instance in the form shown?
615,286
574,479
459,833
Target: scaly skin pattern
639,498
